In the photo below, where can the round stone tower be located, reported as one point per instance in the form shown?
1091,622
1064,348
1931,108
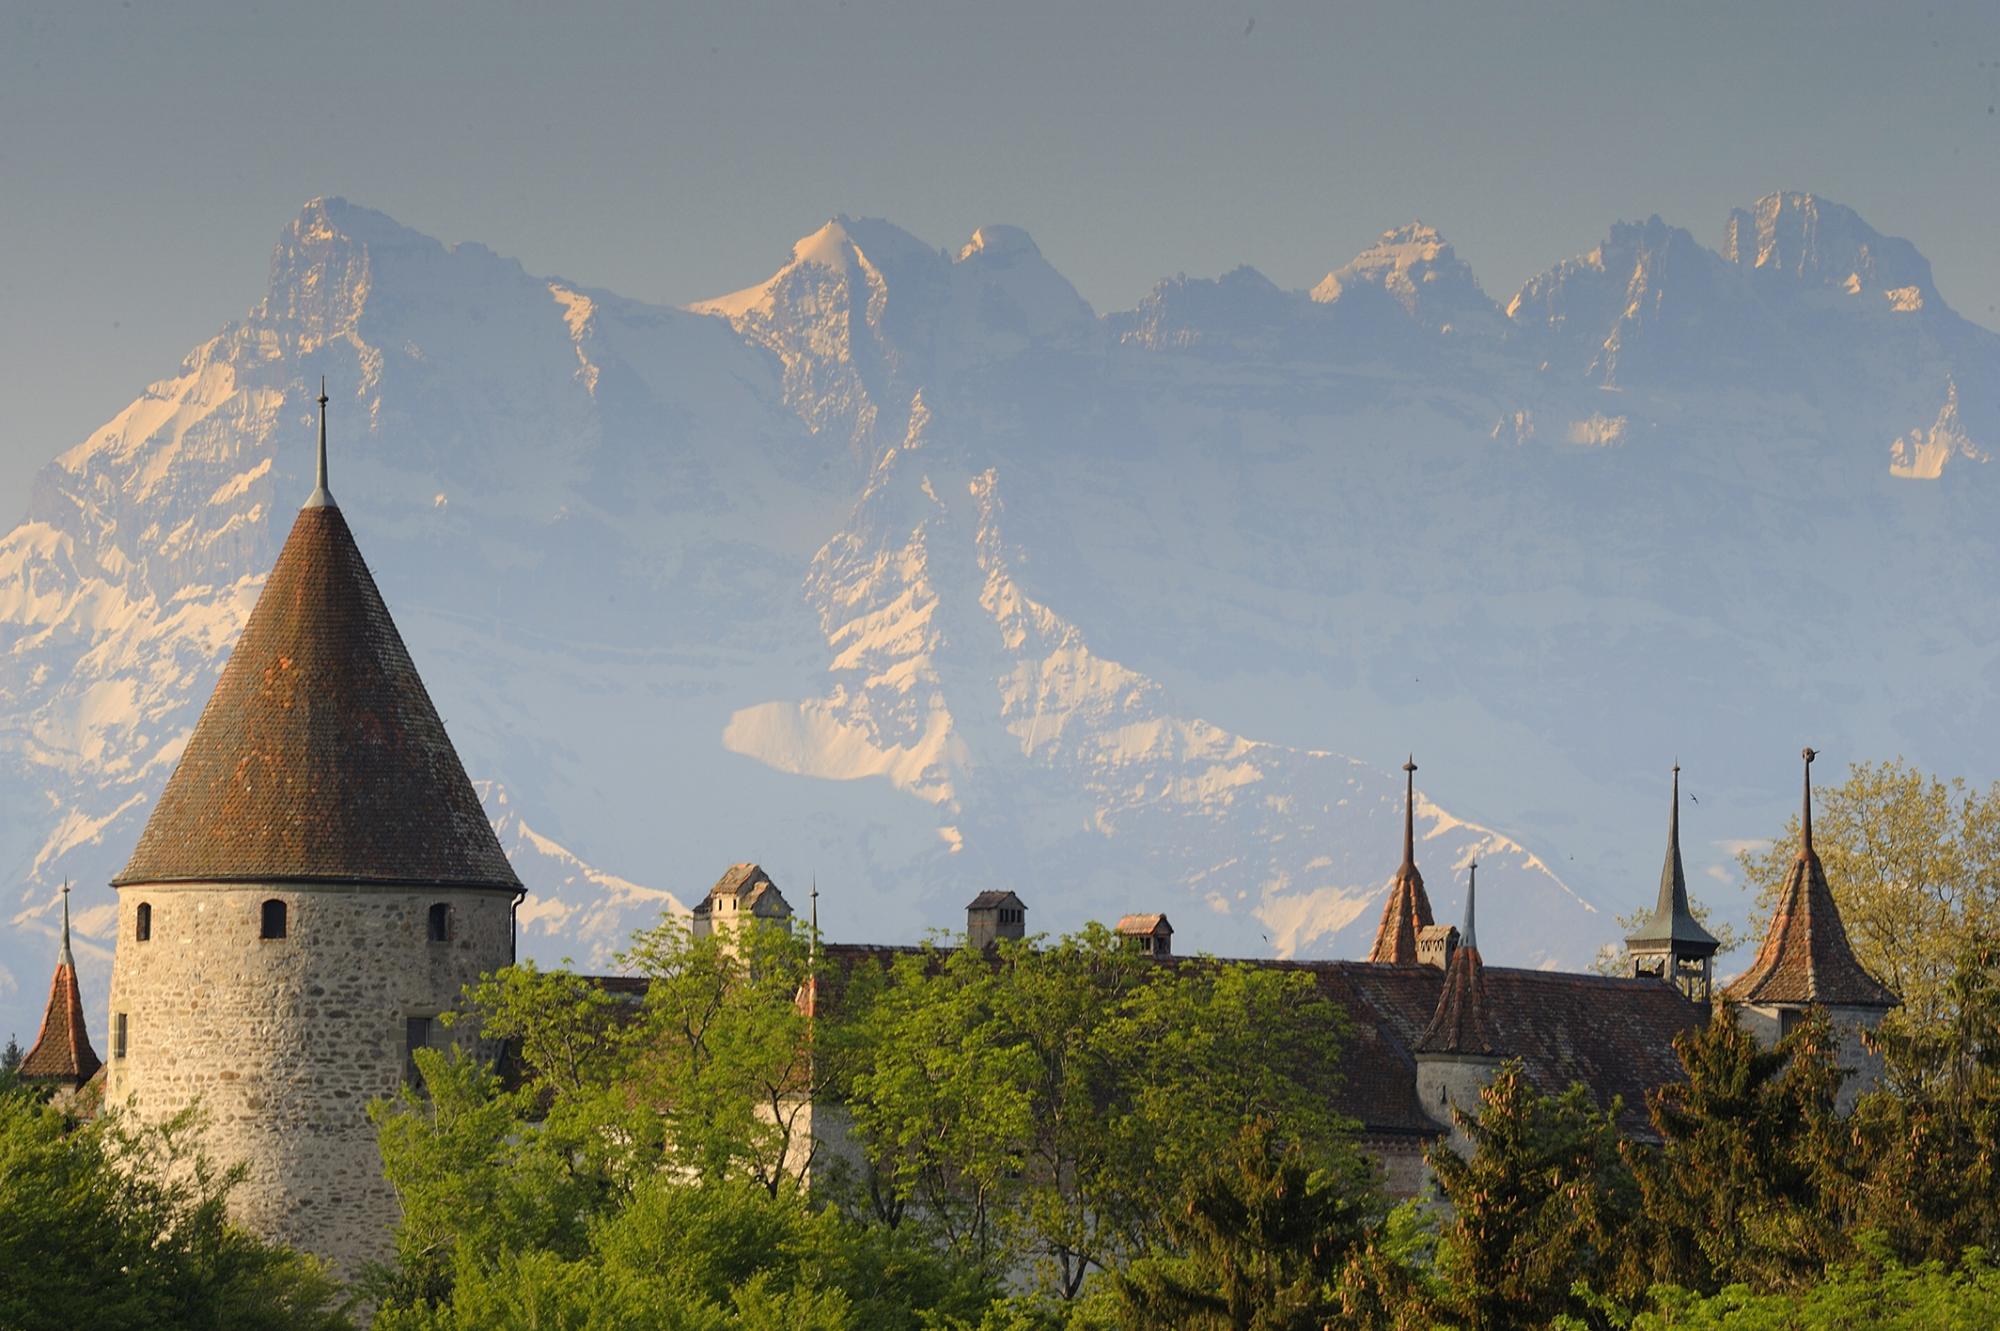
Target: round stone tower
316,884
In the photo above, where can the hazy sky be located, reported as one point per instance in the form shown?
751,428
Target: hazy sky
149,153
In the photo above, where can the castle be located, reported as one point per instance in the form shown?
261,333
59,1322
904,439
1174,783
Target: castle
318,882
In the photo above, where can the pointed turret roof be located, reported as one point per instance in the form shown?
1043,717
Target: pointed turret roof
1806,957
320,757
1673,921
1408,909
1460,1024
62,1052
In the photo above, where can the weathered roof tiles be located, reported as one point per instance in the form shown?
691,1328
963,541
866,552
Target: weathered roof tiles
320,756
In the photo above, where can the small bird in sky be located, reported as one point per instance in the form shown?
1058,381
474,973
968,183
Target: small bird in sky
1251,24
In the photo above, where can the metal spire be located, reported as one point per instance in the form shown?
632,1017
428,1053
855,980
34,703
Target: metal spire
321,497
1410,810
1467,938
1805,808
66,959
1673,880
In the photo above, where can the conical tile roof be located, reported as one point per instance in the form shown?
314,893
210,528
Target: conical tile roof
1806,957
1407,912
1460,1025
62,1052
320,757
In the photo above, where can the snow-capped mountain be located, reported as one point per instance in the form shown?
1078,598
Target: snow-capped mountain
904,570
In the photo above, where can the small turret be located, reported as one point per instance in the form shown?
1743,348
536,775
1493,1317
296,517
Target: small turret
1806,962
1458,1055
1406,915
62,1057
1672,945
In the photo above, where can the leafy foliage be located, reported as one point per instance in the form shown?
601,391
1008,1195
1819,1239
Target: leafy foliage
1538,1204
1749,1182
1931,1137
1261,1241
1050,1102
109,1226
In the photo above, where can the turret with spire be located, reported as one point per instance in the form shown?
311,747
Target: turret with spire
1458,1053
1806,958
1807,964
1672,945
1407,913
62,1057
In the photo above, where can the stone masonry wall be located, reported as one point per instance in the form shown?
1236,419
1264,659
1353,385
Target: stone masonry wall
1864,1066
283,1042
1453,1081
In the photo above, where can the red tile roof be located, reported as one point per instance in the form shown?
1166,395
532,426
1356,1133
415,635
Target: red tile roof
320,756
1459,1024
1407,912
1805,957
62,1052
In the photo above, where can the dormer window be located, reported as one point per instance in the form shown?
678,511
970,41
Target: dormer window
440,923
142,922
271,923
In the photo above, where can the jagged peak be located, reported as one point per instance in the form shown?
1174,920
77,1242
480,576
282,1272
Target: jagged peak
1404,256
843,245
1418,269
1817,242
330,219
999,242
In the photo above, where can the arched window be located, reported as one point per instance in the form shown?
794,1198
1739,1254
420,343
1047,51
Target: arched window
440,923
142,922
273,923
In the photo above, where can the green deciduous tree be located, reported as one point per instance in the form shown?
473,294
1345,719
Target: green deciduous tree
1050,1101
1914,863
727,1255
107,1225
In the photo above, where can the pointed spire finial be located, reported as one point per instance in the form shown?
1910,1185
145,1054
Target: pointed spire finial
66,959
1467,937
1674,815
321,497
1410,810
1805,807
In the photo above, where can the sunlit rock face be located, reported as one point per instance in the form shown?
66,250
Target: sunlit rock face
903,568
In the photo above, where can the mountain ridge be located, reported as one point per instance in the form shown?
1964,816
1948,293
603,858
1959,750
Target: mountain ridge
915,570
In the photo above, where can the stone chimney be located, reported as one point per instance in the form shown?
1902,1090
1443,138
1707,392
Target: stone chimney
1435,944
992,916
1150,934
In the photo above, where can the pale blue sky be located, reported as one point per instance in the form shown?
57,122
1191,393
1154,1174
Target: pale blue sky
150,153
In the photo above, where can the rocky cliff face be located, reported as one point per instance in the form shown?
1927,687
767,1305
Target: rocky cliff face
905,569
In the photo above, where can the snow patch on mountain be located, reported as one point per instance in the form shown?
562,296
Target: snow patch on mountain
1924,454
